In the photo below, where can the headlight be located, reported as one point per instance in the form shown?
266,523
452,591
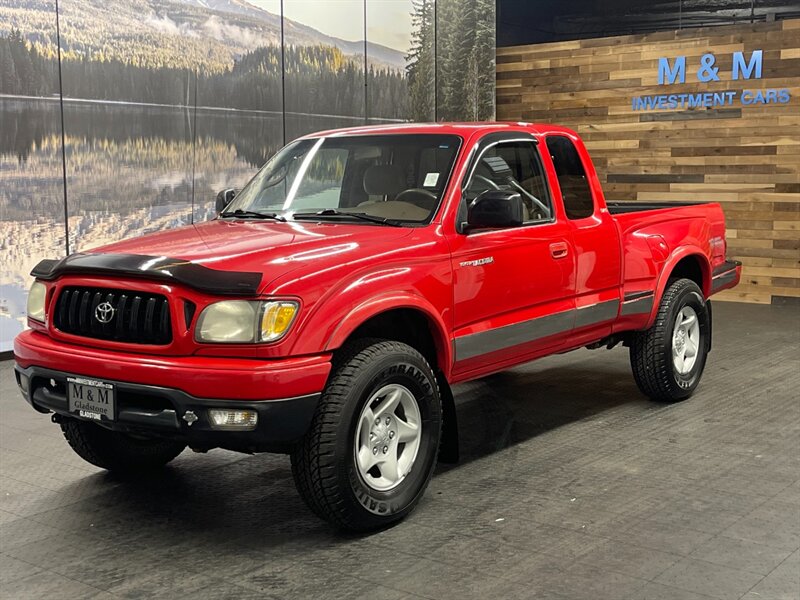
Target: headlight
245,321
36,298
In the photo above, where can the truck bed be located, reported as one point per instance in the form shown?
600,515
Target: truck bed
618,208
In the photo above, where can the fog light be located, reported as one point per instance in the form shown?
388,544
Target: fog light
232,419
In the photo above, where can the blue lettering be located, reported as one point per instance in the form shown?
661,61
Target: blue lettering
783,96
746,69
695,100
747,97
707,71
669,73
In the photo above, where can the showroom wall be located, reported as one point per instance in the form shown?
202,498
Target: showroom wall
161,103
713,129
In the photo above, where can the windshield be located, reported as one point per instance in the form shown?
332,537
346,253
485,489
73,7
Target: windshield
394,177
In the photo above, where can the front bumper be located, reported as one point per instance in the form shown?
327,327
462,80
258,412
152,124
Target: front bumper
200,376
159,412
155,392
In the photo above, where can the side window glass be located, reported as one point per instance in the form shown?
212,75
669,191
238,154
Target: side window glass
513,167
575,190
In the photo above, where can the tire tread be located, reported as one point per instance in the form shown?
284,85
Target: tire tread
649,356
111,451
314,470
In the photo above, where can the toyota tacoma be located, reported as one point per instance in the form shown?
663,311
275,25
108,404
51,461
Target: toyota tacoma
331,305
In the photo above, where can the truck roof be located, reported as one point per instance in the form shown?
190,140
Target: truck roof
453,128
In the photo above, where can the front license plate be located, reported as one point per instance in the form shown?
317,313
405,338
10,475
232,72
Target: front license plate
90,399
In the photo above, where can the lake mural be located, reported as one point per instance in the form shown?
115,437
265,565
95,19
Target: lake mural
165,102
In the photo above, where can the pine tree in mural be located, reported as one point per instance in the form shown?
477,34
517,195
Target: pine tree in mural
421,62
465,85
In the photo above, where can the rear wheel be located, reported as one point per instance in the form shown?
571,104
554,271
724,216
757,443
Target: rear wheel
668,359
116,451
371,448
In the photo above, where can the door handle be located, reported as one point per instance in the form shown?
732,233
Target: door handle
559,250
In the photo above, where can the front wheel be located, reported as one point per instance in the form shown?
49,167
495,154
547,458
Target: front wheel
668,359
371,448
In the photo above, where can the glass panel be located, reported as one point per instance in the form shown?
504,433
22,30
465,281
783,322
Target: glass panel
31,174
421,69
324,65
389,35
465,49
239,124
128,87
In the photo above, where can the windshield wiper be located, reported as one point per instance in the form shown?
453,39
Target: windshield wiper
251,214
332,212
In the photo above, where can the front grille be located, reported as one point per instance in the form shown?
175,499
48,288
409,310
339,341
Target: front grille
134,317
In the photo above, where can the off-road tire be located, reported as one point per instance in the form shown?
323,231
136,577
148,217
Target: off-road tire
651,350
324,464
116,451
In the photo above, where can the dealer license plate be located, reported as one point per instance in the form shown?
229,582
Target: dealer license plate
90,399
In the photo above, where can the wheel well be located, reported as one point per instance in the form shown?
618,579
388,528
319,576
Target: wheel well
690,267
401,325
413,327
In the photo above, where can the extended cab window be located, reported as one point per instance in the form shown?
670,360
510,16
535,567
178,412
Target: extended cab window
575,190
513,167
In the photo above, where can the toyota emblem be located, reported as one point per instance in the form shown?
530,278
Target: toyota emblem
104,312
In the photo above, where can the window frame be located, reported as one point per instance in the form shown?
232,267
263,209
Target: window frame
490,141
595,204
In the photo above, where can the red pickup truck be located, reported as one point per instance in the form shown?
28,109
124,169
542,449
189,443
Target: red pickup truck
336,298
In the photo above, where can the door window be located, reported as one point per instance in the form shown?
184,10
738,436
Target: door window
575,190
513,167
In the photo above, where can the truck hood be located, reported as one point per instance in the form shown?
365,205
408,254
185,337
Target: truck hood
272,249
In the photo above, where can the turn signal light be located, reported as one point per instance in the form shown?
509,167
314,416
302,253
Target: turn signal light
232,419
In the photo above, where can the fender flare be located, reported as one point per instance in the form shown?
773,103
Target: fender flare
391,301
678,255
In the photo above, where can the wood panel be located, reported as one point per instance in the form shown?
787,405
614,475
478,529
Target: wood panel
747,157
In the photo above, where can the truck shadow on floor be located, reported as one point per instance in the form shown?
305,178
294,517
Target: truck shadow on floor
225,499
514,406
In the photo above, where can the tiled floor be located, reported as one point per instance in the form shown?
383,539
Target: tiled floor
572,486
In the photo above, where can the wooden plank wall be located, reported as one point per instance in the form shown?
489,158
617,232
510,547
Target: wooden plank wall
745,157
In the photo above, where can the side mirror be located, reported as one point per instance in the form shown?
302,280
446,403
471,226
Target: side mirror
224,198
495,208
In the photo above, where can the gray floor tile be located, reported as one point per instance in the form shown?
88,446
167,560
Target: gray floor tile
705,578
571,485
781,584
741,554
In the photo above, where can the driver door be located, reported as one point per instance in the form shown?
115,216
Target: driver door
512,286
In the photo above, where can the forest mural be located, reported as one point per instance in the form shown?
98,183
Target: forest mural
165,102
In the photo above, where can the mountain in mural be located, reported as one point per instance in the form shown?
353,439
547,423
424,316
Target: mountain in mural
209,34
